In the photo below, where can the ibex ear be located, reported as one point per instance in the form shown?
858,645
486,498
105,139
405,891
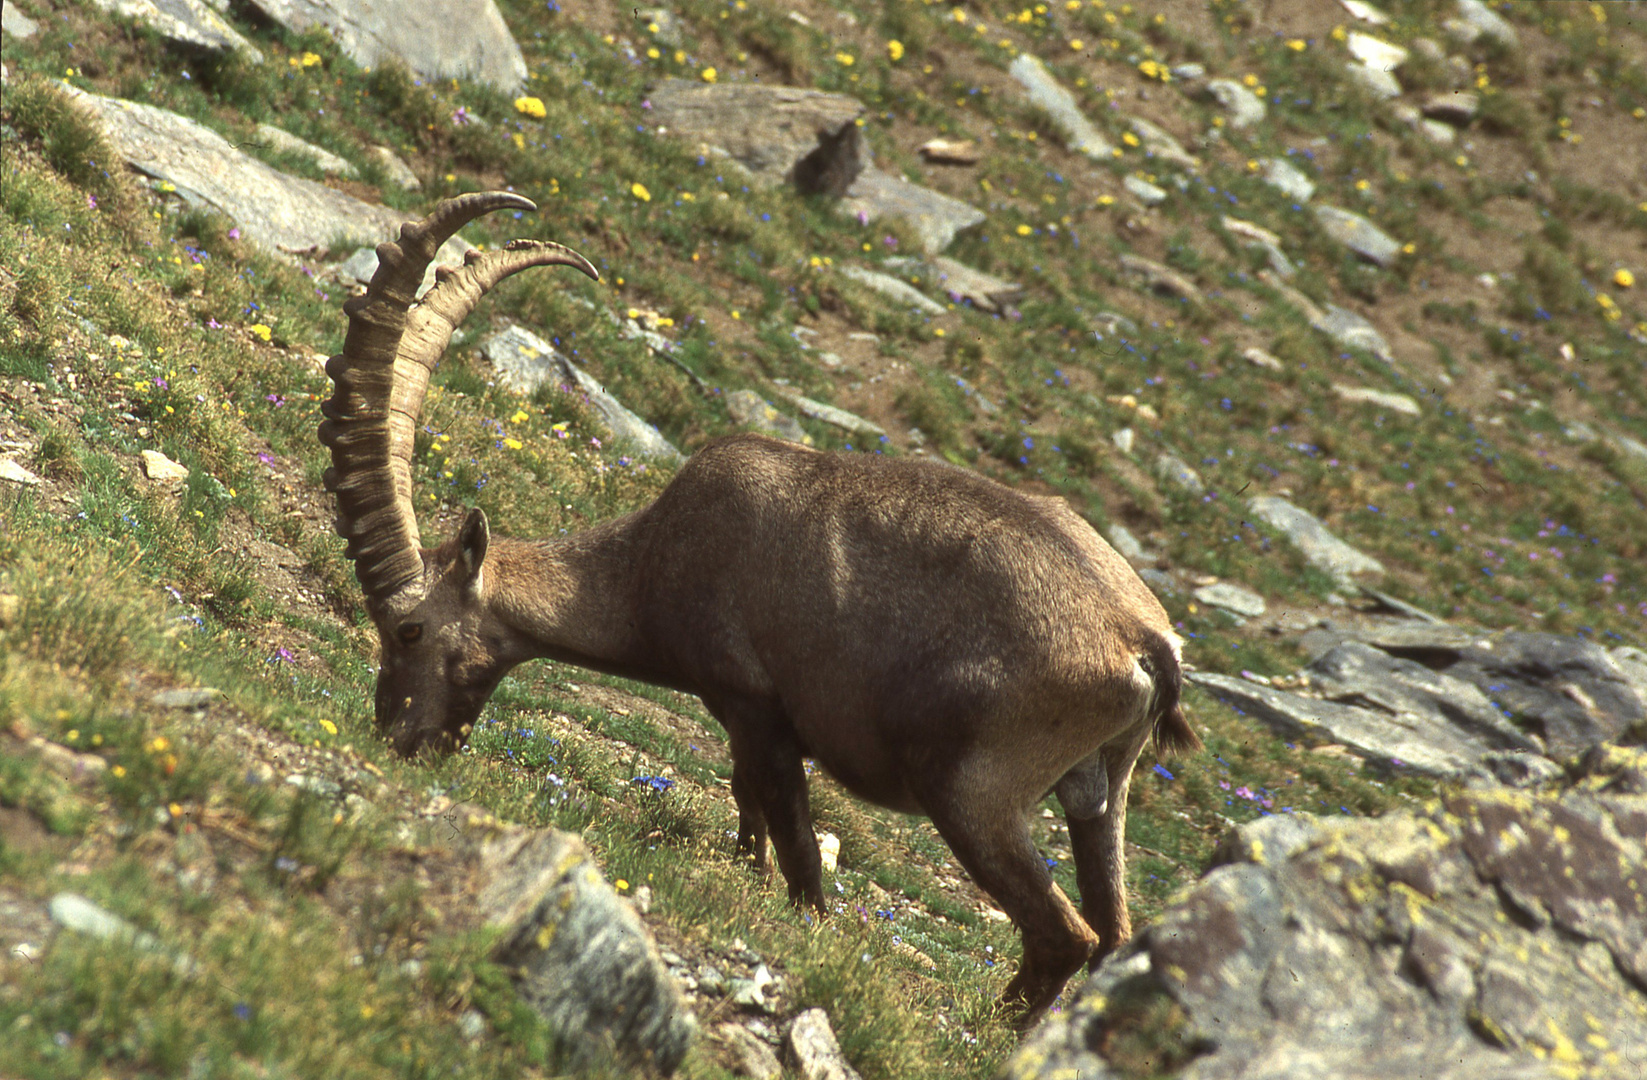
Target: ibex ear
472,540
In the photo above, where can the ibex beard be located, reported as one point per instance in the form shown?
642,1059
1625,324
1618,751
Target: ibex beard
938,642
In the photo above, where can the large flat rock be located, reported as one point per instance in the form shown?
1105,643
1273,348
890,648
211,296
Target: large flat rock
579,954
1049,95
189,23
524,362
781,134
1319,546
1569,692
1359,235
936,217
457,39
1500,935
286,213
1418,742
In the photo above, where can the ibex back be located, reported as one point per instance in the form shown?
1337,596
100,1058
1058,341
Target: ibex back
937,642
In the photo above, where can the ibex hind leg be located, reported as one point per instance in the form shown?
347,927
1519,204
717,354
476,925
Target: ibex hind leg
751,821
769,784
1097,843
991,839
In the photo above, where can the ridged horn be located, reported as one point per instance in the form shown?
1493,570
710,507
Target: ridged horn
383,371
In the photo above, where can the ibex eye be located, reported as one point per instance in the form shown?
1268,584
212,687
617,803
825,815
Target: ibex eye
410,632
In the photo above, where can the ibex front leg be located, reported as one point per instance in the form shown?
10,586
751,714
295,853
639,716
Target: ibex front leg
769,784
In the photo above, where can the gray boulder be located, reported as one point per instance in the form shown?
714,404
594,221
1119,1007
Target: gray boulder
1377,82
1477,20
15,23
1159,144
579,954
936,217
286,143
1353,331
1172,469
1245,108
1498,936
1359,235
900,292
813,1050
1048,95
1144,191
781,134
750,410
189,23
1355,673
1233,598
1418,742
285,213
1319,546
1570,692
396,171
1561,694
960,282
437,39
1123,541
1455,107
1341,324
1161,280
1283,174
524,362
829,414
1363,395
1632,448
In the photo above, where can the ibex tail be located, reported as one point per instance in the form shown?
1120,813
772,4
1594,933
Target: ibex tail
1173,733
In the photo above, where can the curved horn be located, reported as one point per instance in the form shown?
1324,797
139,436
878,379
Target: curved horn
383,371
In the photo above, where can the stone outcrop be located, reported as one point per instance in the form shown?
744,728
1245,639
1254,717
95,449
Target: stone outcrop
524,361
1497,934
192,24
936,217
781,134
1447,701
437,39
1319,546
1048,94
285,213
579,954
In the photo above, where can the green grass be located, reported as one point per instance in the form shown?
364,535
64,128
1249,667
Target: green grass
127,323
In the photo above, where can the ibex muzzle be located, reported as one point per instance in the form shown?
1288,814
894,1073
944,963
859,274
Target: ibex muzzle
939,643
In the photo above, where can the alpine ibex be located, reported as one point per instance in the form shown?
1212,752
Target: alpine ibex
938,642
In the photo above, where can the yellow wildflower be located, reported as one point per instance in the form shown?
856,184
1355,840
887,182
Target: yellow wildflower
709,74
895,51
1624,279
531,106
262,332
638,190
327,726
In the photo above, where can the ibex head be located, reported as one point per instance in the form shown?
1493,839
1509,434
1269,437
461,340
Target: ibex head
442,651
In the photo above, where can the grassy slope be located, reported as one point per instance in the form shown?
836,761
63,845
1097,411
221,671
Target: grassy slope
126,325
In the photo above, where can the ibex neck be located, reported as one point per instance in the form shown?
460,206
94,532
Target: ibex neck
570,599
